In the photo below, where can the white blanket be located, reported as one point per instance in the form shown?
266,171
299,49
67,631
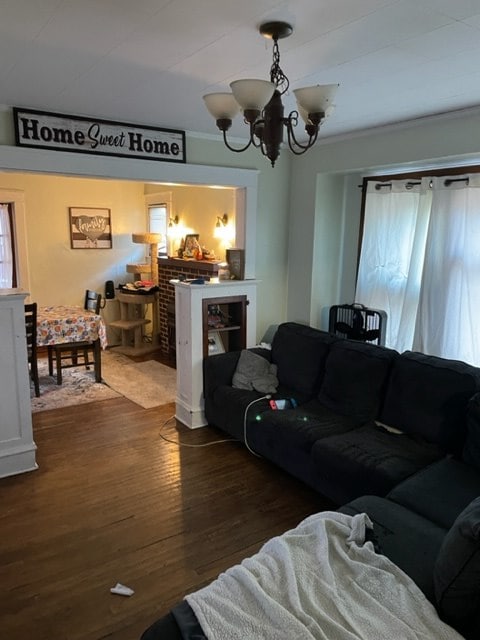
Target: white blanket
318,581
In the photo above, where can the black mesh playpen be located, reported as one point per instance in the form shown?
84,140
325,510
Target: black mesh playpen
357,322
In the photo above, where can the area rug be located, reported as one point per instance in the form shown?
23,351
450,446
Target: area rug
78,387
148,384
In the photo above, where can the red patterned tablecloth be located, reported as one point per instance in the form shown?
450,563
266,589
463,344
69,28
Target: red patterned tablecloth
57,325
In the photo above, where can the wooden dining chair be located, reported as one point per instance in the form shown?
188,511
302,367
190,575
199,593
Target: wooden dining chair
74,354
31,332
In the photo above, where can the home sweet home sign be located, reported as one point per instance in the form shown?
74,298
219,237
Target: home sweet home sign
59,132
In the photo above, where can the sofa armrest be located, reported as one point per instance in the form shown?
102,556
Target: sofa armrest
218,369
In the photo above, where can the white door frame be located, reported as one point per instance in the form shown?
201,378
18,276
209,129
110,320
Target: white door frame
17,199
245,181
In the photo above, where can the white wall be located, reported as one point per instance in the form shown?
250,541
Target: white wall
209,162
325,201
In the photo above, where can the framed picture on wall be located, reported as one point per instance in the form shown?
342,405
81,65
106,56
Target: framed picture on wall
236,263
90,228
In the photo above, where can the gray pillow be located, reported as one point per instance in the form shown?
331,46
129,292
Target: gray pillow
456,574
255,373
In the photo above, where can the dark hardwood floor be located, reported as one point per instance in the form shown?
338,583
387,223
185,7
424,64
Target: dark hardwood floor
113,502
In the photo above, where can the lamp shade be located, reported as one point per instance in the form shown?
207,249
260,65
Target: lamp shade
252,94
315,99
304,114
221,105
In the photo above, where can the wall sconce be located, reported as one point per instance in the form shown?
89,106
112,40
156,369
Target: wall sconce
223,230
174,230
222,221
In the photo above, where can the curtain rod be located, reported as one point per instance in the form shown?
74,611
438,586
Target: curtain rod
408,185
450,181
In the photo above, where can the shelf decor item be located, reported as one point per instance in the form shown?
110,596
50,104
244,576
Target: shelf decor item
236,263
191,245
215,343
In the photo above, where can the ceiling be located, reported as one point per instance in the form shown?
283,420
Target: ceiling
151,61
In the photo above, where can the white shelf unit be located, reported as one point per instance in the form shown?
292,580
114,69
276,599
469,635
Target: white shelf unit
17,448
190,336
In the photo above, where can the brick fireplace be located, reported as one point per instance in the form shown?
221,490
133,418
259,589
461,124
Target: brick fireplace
171,269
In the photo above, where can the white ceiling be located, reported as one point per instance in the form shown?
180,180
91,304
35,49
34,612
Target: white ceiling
151,61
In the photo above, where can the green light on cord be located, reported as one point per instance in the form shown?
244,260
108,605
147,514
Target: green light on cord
258,418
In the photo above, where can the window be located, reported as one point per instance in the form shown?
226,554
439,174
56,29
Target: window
159,207
420,263
158,223
8,274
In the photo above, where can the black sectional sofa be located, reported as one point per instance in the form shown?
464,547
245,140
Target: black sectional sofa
396,436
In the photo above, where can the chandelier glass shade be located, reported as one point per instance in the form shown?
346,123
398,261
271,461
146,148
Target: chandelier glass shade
262,107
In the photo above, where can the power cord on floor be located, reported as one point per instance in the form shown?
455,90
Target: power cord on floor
179,443
267,397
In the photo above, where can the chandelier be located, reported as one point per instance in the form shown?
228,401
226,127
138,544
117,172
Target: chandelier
261,102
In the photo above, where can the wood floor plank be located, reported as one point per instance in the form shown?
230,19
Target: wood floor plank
113,502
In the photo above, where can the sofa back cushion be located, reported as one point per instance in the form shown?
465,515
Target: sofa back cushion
456,574
355,378
471,450
427,396
299,352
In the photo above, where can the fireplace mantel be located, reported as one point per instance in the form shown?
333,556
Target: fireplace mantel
210,266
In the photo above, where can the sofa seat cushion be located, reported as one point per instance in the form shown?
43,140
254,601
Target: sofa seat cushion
355,378
406,538
368,460
286,437
300,427
440,491
427,396
457,573
299,352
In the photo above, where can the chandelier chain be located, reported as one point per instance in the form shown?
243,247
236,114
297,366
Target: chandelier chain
277,76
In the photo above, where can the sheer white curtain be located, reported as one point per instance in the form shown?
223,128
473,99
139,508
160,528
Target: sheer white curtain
6,257
393,245
449,308
420,262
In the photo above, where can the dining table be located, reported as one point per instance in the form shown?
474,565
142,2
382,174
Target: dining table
59,324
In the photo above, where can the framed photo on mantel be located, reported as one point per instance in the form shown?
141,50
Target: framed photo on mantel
236,263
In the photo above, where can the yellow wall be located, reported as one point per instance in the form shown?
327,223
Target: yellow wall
197,209
59,274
